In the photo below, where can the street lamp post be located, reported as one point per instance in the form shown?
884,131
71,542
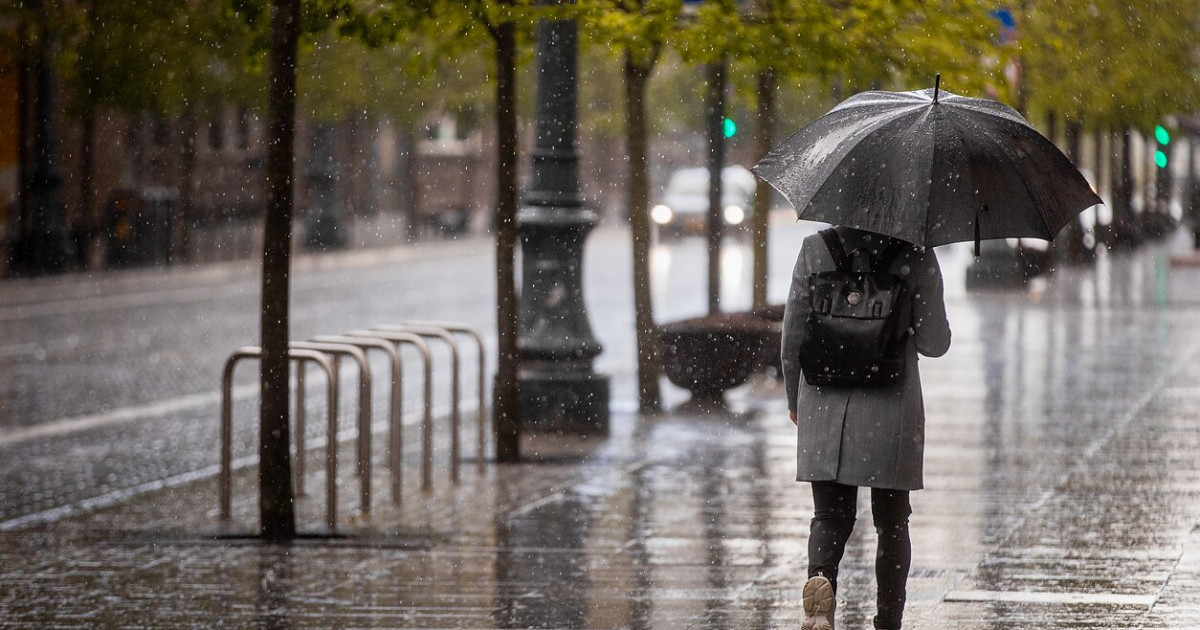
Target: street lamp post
559,388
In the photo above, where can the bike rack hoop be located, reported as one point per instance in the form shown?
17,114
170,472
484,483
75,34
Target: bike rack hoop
225,477
396,401
396,441
455,384
464,329
364,411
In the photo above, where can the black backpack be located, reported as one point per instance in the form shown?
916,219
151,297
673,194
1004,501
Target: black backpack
856,330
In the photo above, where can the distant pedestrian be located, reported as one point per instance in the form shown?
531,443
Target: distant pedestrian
852,436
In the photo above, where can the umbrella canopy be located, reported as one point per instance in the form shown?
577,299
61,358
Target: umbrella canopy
928,167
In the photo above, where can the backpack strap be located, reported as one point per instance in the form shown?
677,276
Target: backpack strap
890,253
834,243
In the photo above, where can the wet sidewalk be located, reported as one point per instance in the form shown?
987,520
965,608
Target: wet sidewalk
1062,491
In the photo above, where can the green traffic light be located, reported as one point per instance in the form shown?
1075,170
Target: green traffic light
1160,134
728,127
1160,159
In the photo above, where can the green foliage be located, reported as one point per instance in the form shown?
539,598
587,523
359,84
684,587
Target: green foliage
795,38
141,55
601,101
1103,62
1109,63
715,32
859,44
403,80
639,27
903,44
675,98
388,58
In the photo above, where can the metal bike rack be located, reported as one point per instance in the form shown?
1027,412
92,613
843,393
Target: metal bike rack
396,437
364,410
396,402
225,479
463,329
455,383
324,351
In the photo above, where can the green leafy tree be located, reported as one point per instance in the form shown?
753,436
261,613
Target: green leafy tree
858,44
764,40
637,31
904,44
459,24
792,41
506,404
866,44
165,58
287,22
1109,63
1110,67
400,76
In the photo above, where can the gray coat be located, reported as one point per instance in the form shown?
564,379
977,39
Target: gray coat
864,436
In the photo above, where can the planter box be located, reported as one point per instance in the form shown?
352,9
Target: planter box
709,355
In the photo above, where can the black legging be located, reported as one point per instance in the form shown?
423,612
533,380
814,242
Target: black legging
833,521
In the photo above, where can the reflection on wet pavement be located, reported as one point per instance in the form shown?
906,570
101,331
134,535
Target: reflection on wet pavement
1062,491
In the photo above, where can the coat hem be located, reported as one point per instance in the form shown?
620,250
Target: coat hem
862,484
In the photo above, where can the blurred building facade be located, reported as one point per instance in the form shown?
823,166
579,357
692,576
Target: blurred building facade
142,188
10,137
194,185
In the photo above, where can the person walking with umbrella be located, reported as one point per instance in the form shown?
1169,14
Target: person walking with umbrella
896,173
862,436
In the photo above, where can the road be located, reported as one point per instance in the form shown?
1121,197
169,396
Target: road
111,380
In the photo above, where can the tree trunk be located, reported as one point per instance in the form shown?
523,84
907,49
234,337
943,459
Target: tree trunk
407,167
1149,200
25,97
764,134
1124,229
1073,248
648,356
276,503
1102,157
181,249
1191,192
506,408
88,224
716,162
87,170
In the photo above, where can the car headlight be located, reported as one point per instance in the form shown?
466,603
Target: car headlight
734,215
661,214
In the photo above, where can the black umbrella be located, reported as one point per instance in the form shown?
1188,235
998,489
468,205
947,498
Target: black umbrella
928,167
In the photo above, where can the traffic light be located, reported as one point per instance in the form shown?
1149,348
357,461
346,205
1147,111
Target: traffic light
728,127
1162,159
1163,152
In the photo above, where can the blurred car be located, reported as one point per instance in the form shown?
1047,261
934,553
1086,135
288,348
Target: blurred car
683,208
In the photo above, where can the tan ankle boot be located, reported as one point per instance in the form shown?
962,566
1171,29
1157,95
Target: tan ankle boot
819,603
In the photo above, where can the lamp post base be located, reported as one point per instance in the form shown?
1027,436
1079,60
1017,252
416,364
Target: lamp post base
564,402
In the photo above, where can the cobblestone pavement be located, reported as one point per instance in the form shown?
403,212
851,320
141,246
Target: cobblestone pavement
1062,491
